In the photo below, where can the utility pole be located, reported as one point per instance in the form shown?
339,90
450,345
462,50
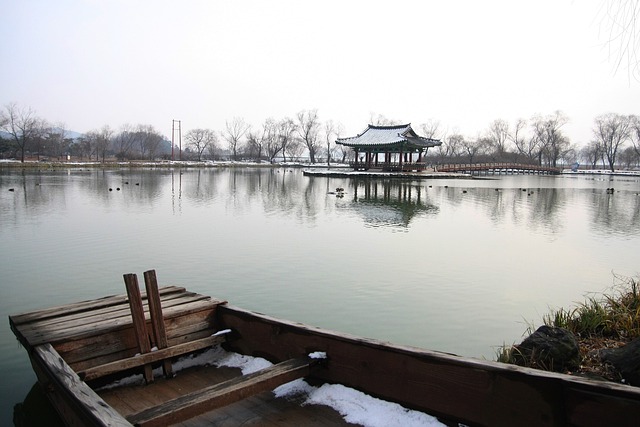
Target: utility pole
173,132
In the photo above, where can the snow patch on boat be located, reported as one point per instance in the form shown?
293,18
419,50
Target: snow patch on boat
355,406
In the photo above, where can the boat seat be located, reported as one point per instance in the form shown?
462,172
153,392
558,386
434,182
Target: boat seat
152,357
224,393
152,345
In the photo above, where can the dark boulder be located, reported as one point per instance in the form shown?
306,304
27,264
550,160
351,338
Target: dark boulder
548,348
626,360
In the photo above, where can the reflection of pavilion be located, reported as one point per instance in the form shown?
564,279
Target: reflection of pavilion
389,202
397,144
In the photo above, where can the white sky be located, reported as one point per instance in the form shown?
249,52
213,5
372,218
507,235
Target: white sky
464,63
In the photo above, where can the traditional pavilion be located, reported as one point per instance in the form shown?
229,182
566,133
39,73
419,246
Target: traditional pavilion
397,143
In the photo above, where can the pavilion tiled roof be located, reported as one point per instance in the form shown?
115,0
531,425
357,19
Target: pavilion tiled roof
388,136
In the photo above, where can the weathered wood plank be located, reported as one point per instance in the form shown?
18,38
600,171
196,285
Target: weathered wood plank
218,395
157,321
99,349
85,407
139,322
81,306
154,356
64,321
79,330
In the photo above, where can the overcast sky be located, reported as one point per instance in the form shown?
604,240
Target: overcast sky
463,63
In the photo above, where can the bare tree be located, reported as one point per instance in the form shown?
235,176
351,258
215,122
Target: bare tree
200,140
213,152
611,131
330,134
234,132
451,146
123,141
103,140
85,145
148,140
56,140
431,129
467,146
549,138
517,137
381,120
619,19
309,130
629,158
23,126
272,138
287,129
497,137
634,133
265,138
591,153
295,148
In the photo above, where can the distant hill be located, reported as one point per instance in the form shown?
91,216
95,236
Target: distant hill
68,134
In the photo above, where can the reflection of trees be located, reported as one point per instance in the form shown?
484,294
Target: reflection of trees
616,213
287,193
389,202
534,208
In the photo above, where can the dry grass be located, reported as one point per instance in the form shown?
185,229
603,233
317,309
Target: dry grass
606,321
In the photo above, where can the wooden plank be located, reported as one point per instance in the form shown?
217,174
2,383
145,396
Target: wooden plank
222,394
139,322
66,321
66,326
73,398
82,306
80,330
157,321
113,345
154,356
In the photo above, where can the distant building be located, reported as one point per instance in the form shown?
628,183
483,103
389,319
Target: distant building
397,144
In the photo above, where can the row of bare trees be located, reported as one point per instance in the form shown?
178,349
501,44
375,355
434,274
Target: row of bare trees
26,133
285,138
539,140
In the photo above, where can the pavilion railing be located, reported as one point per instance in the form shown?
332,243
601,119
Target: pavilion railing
389,166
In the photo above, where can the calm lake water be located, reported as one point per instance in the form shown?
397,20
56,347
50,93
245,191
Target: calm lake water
460,266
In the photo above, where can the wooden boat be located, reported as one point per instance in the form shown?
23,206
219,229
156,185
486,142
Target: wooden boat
78,347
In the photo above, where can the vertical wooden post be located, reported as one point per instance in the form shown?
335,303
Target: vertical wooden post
139,322
157,320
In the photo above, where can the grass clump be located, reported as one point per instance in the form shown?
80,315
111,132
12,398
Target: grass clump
609,320
613,315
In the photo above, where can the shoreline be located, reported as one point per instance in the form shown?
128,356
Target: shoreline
318,169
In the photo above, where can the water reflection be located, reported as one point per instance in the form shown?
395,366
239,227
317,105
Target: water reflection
617,212
451,265
378,202
390,203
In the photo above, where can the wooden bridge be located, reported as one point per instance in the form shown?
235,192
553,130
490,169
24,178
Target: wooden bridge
498,168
